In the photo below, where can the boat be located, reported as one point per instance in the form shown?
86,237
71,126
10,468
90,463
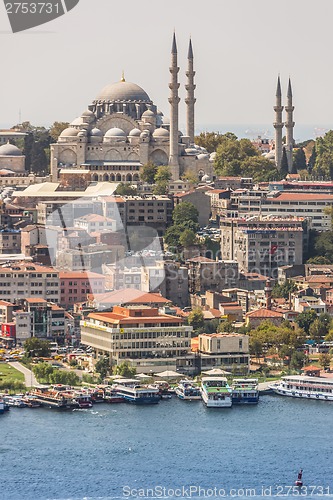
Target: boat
245,391
134,393
299,480
112,396
301,386
187,390
50,397
2,406
15,401
31,401
215,392
82,399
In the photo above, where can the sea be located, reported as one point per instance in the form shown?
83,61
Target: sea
175,450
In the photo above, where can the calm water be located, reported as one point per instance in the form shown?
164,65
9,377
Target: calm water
46,454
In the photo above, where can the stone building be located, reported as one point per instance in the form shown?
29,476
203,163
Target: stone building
122,129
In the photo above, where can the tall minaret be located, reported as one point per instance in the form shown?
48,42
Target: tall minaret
190,99
278,125
174,101
289,127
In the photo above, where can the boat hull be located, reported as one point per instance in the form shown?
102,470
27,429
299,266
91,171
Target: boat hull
142,401
216,403
302,394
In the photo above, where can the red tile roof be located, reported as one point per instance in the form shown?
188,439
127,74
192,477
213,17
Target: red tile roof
264,313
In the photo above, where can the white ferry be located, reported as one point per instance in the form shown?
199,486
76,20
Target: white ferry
132,392
298,386
187,390
215,392
245,391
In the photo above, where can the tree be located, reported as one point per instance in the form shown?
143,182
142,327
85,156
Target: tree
148,173
43,372
297,360
284,170
312,159
125,370
190,177
172,236
325,360
283,290
185,214
163,174
102,367
35,347
305,319
125,189
56,129
225,326
161,188
323,245
196,318
187,238
299,159
211,140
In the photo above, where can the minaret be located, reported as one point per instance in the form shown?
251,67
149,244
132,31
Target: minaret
289,127
278,125
190,99
174,101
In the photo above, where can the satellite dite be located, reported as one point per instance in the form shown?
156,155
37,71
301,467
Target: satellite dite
27,14
90,234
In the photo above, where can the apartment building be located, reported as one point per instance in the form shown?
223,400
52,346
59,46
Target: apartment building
10,241
208,274
21,279
76,285
154,211
228,351
149,340
262,245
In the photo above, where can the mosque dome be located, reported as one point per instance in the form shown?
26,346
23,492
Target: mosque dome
205,178
69,132
144,134
203,156
88,113
96,132
115,132
191,151
270,155
10,150
148,114
124,92
161,132
135,132
78,121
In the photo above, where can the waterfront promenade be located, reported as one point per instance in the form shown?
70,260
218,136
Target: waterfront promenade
29,377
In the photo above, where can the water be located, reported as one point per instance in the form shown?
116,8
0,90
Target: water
108,451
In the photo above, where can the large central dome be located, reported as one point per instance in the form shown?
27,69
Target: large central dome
124,92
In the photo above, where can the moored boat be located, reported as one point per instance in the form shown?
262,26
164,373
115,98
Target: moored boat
187,390
215,392
245,391
83,400
137,394
300,386
112,396
15,401
2,406
57,399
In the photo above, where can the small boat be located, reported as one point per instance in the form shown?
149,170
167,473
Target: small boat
112,396
2,406
299,480
137,394
30,401
245,391
15,401
187,391
83,400
215,392
57,397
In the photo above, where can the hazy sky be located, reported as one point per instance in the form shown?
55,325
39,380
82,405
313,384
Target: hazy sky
53,72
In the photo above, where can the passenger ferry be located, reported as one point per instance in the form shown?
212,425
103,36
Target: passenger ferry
187,390
51,398
215,392
245,391
298,386
132,392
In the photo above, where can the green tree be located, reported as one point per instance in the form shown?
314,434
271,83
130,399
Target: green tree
283,290
163,174
190,177
196,318
161,188
185,214
148,173
187,238
299,159
211,140
102,367
297,360
312,159
43,372
125,370
225,326
125,189
284,170
172,236
323,166
35,347
305,319
325,360
56,129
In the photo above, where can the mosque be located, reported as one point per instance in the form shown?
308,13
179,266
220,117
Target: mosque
123,129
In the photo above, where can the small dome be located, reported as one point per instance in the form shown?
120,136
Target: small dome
135,132
161,132
148,114
144,134
69,132
78,121
88,113
10,150
191,151
96,132
82,133
203,156
165,120
270,155
115,132
205,178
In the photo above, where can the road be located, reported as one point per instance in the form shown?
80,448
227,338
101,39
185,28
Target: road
30,379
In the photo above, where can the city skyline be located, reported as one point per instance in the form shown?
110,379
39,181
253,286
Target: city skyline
239,50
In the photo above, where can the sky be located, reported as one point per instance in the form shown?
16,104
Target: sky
53,72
